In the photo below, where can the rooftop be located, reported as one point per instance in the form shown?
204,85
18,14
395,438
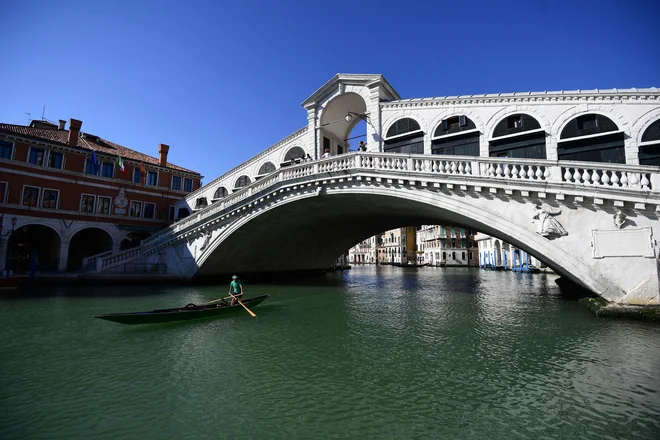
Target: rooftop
50,133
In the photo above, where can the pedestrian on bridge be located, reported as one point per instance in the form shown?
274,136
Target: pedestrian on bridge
237,288
326,154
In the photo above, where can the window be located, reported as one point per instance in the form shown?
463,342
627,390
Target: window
152,178
176,182
149,210
30,196
3,192
108,169
187,185
462,255
201,202
104,205
170,215
36,156
6,149
514,122
266,168
89,167
137,177
87,202
220,193
136,209
50,199
55,159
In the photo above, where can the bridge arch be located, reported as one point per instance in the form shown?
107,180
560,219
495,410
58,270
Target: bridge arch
314,229
338,116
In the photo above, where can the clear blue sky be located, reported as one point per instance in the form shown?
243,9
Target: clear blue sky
221,81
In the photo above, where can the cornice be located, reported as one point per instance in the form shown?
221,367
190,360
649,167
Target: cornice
526,98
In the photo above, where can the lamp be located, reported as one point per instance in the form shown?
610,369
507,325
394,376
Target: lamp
13,225
349,116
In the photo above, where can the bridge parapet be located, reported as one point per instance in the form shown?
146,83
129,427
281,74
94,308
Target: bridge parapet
630,183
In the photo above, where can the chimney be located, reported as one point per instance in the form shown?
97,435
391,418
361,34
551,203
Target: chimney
74,131
162,151
62,124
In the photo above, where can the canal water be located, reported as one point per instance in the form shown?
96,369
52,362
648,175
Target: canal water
370,353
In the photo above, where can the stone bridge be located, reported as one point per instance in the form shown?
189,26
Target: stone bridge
570,177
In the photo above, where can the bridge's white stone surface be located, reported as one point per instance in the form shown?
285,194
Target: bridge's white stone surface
304,216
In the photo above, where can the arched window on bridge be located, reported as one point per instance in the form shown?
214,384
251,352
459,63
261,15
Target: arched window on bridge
265,169
591,138
456,135
183,213
404,136
201,203
649,148
293,156
518,135
241,182
220,193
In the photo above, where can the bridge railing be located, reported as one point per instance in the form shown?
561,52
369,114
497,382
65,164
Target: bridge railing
588,174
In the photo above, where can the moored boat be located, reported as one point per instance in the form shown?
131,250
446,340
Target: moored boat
190,311
9,283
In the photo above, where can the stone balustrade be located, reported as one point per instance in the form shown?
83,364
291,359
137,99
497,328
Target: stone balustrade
90,262
636,179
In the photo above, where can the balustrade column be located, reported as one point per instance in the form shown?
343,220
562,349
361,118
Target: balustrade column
474,168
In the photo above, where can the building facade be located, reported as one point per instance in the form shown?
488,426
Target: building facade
500,255
441,245
364,252
66,195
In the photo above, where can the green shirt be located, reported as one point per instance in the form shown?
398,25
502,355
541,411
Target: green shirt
236,285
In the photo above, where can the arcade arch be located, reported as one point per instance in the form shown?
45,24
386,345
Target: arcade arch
649,149
85,243
35,246
518,135
456,135
405,136
591,137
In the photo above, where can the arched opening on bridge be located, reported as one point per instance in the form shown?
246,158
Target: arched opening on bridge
33,247
264,170
404,136
293,156
133,239
649,148
338,122
591,138
183,213
518,135
456,135
241,182
85,243
219,194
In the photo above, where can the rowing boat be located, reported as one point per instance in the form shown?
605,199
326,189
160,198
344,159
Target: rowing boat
190,311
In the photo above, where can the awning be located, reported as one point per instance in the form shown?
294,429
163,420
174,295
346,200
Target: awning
135,228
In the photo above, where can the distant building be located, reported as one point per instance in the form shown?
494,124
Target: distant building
64,198
364,252
441,245
498,254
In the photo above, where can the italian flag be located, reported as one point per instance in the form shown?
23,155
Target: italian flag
120,164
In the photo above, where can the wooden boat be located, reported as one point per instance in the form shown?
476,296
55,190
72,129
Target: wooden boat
9,283
190,311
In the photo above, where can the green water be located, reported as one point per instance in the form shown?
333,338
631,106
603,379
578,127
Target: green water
383,353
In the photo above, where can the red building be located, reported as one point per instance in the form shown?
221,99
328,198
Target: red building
64,197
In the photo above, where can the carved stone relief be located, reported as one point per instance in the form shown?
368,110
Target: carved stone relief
620,219
549,227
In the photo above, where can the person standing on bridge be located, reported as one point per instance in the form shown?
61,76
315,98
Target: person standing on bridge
326,154
237,288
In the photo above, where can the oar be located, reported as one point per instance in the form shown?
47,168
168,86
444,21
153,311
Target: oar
239,301
216,300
